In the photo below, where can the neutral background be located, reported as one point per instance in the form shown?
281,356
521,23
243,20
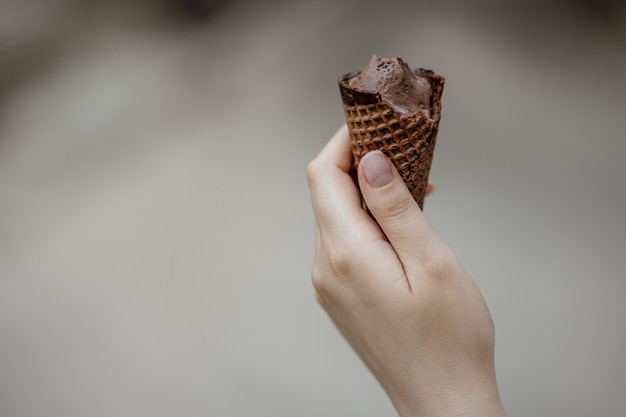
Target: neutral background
156,236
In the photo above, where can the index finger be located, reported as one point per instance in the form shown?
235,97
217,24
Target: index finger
335,197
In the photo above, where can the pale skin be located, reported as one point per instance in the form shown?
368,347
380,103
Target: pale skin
396,291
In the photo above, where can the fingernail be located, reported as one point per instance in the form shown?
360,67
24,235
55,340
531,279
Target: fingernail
377,169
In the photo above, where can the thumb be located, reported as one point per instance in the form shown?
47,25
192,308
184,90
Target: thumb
392,206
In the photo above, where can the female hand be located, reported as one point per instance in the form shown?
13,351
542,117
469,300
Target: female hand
396,292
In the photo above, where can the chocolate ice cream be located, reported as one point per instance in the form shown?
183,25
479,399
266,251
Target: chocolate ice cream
397,111
392,78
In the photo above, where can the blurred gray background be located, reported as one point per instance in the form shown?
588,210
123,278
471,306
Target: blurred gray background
155,230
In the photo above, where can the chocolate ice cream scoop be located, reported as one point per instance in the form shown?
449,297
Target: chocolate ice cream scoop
397,111
396,83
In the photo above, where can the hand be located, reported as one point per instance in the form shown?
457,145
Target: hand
396,292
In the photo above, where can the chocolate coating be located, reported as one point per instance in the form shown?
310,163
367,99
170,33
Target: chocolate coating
393,80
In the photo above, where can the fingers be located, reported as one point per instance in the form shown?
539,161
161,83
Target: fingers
430,188
334,195
393,207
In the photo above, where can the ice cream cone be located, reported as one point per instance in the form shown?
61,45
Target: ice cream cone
407,139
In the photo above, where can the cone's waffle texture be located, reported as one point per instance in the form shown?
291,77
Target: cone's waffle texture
408,140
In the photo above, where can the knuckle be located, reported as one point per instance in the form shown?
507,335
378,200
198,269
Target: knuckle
322,286
440,263
318,279
399,207
312,170
330,270
339,263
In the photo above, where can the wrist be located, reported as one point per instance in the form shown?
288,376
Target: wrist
453,407
470,397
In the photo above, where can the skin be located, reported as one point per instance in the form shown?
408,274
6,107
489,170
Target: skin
396,291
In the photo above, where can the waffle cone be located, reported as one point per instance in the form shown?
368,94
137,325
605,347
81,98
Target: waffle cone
407,139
